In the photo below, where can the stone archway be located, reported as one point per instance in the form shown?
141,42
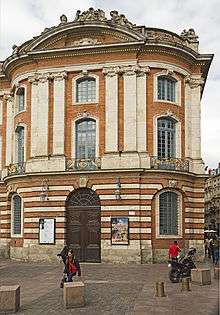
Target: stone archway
83,213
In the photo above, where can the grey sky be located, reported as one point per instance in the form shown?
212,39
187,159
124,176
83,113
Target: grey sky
23,19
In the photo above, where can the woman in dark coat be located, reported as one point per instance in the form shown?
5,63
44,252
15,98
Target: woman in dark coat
72,266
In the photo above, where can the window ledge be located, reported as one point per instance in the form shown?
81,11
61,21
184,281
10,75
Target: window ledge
166,101
168,236
86,103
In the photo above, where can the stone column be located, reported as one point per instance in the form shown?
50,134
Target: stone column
193,121
111,109
39,115
9,128
58,113
130,108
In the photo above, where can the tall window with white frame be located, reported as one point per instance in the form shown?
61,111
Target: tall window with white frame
166,88
19,136
86,90
168,213
86,139
166,138
20,99
16,210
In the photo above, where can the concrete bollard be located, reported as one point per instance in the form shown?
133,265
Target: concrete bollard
160,292
185,284
201,276
9,299
216,272
74,294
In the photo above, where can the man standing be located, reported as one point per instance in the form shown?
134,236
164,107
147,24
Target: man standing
174,251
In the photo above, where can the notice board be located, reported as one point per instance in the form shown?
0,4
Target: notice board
47,230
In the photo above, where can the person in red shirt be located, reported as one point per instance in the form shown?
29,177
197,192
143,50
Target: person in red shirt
72,266
174,251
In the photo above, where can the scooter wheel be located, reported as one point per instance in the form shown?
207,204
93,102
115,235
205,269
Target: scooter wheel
174,276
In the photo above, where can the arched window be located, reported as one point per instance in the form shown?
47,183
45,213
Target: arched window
86,139
166,88
166,138
168,213
16,215
19,148
20,99
86,90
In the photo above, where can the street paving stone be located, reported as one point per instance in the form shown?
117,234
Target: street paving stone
110,289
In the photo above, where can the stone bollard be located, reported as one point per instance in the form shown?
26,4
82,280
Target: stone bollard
201,276
216,272
185,284
160,292
9,299
74,294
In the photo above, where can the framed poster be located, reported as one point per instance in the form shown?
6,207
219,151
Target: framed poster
120,231
47,231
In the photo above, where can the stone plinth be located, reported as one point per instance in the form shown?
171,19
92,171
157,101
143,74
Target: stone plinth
74,294
216,272
9,299
201,276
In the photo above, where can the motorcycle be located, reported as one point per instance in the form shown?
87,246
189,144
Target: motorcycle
181,267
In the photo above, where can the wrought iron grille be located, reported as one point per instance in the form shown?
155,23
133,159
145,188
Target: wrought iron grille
16,169
84,197
17,215
173,164
83,164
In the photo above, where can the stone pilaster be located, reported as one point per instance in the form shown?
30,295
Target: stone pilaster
111,108
39,115
58,113
9,128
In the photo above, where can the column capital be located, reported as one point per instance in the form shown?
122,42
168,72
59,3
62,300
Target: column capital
8,97
39,78
58,76
111,71
194,82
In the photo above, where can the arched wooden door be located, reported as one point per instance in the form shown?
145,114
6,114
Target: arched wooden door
83,213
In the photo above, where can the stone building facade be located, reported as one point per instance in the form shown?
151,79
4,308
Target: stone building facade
100,141
212,200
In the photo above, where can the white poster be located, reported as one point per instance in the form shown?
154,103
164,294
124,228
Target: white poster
46,231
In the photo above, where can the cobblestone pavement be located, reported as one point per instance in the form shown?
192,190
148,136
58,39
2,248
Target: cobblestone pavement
110,289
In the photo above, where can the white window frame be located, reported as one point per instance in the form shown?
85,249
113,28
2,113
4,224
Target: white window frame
179,214
17,99
168,74
178,137
74,135
82,76
15,155
12,217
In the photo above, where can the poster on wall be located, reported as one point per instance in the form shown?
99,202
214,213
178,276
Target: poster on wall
120,231
47,231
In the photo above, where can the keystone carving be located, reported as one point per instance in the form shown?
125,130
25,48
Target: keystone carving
83,182
173,183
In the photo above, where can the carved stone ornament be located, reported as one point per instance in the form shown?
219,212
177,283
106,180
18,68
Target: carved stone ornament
111,71
9,97
83,114
15,50
63,19
11,189
59,76
168,72
120,19
194,82
167,113
189,35
85,42
130,70
90,15
173,183
83,182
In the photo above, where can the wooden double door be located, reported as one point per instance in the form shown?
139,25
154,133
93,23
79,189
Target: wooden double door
84,225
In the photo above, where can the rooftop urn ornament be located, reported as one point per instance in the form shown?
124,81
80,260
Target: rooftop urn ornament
63,19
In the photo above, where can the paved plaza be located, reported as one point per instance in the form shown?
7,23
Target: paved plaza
110,289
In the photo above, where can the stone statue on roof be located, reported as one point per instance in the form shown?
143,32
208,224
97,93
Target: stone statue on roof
90,15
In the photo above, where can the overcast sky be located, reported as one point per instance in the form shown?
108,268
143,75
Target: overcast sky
20,20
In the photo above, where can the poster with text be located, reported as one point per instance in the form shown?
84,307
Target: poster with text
46,231
120,231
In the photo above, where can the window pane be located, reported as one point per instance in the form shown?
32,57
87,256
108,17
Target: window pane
20,97
20,144
168,214
17,215
166,88
165,138
86,139
86,90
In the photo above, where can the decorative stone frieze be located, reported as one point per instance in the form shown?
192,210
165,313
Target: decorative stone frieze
194,82
85,42
59,76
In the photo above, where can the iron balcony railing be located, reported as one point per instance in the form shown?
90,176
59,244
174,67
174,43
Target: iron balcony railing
83,164
173,164
16,169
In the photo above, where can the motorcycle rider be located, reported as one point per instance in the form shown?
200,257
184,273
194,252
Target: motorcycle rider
174,251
